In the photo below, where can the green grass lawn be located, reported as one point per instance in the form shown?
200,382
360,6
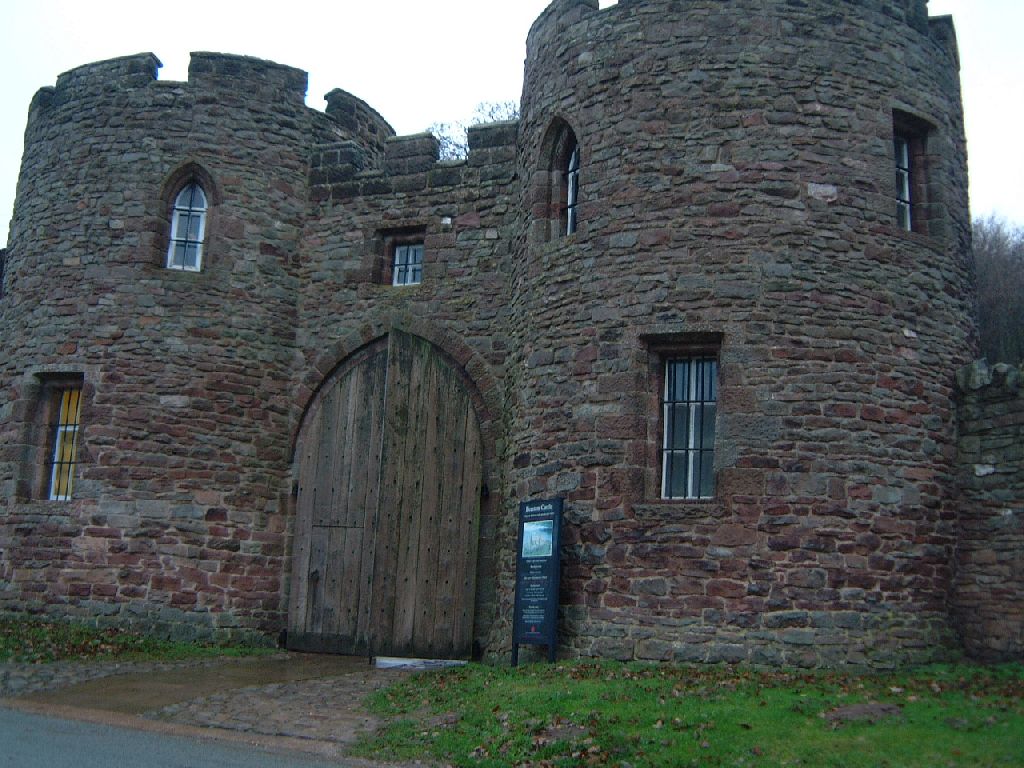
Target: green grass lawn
580,714
26,639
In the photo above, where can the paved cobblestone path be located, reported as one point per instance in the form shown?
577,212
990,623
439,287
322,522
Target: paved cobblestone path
327,710
303,697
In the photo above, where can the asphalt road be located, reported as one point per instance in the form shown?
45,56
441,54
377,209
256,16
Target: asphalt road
37,741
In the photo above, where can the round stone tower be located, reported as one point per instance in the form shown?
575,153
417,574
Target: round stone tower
737,333
182,365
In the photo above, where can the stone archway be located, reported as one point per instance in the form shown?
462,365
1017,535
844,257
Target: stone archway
389,467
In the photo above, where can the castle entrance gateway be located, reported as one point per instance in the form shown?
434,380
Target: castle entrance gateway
389,468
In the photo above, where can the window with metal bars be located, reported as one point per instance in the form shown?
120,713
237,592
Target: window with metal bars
67,411
689,407
572,189
911,138
407,268
903,182
188,227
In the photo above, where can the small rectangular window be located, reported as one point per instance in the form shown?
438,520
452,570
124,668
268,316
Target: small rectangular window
67,410
911,137
407,267
689,408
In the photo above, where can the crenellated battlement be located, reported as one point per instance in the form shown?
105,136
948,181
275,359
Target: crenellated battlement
358,119
135,71
254,78
345,169
91,80
563,16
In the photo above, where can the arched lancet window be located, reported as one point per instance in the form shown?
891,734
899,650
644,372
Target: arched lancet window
557,182
188,227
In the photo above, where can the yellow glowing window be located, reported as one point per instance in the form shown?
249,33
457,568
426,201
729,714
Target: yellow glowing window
65,443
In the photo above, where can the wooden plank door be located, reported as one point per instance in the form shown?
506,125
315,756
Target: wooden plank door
339,483
424,574
388,510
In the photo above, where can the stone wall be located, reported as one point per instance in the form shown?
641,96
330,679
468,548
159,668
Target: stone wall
989,595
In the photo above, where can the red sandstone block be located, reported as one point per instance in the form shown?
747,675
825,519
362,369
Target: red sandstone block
724,588
901,417
746,482
733,535
616,555
738,399
872,413
617,600
723,210
696,603
841,410
885,525
848,356
165,583
859,491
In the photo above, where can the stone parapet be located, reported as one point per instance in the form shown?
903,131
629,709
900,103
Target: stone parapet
361,121
250,77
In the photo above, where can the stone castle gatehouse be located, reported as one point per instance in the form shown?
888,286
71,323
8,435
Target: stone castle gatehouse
267,368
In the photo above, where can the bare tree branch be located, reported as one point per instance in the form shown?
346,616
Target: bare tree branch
999,262
452,136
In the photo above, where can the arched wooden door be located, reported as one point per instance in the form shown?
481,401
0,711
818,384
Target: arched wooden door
389,470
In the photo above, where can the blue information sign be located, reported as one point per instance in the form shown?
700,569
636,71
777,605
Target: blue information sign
537,572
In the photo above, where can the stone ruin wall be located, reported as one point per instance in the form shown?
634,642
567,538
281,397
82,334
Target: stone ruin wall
988,601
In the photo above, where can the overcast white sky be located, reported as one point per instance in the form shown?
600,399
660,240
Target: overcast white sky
420,62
